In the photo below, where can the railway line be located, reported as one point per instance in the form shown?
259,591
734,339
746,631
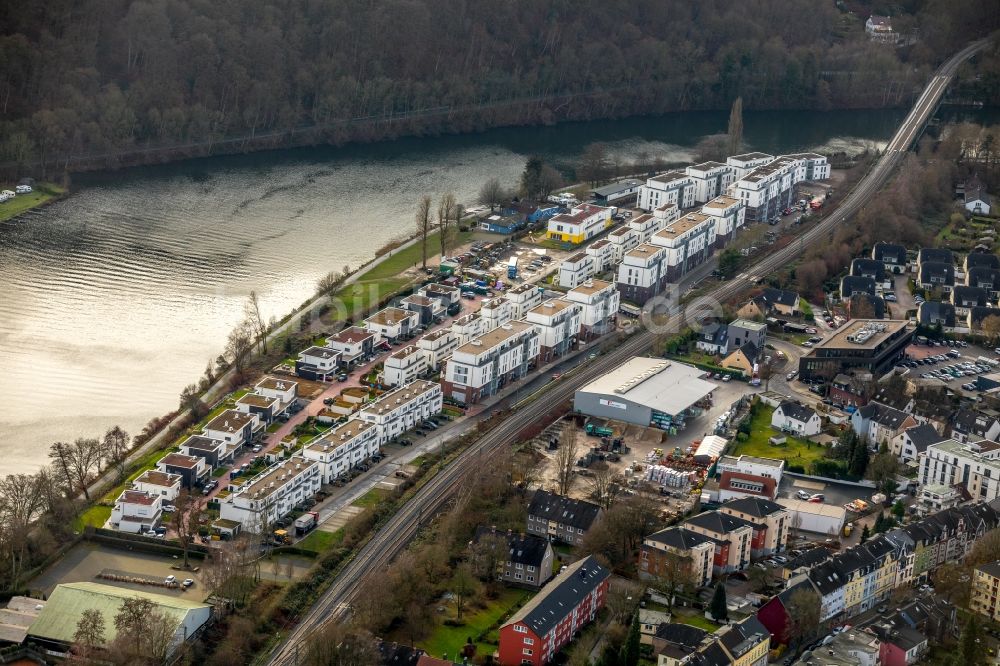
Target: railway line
393,537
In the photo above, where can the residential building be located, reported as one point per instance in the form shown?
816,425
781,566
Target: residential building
872,268
976,466
742,358
544,625
623,240
526,560
392,323
879,424
747,162
892,256
675,643
772,468
780,301
603,254
935,497
405,365
743,331
937,275
899,644
985,590
214,452
729,215
265,408
688,242
933,313
849,648
771,522
977,201
980,260
136,511
580,224
647,224
468,328
677,550
879,29
234,427
851,285
483,366
974,321
642,274
576,269
258,502
743,643
399,410
429,310
914,440
776,613
317,363
343,448
558,323
522,298
865,345
672,187
768,189
711,179
283,390
354,343
796,418
935,254
448,295
866,306
598,302
986,278
732,538
437,346
166,486
963,297
192,469
561,518
970,424
495,312
713,338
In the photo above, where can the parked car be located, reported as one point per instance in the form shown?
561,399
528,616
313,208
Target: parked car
188,582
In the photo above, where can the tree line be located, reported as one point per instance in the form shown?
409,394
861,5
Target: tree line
97,83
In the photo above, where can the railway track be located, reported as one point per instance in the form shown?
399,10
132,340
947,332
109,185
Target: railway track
393,537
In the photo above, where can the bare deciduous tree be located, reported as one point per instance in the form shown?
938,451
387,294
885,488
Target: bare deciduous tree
491,193
144,634
734,134
22,500
447,209
185,520
76,462
424,227
463,586
239,346
115,445
565,460
89,634
255,318
603,488
336,644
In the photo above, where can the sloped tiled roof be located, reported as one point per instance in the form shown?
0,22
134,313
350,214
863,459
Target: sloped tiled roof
566,510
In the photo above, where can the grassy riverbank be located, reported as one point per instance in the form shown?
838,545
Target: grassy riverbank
43,194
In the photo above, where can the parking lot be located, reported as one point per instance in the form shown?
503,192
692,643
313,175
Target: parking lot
953,363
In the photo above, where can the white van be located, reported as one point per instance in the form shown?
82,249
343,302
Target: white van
23,189
8,194
4,197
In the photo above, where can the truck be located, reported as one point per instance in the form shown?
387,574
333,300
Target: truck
512,268
598,431
848,528
281,537
816,203
306,522
878,498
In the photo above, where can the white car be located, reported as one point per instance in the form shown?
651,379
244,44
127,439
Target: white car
170,580
23,189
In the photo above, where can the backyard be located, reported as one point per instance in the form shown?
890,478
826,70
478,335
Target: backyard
485,618
794,451
319,541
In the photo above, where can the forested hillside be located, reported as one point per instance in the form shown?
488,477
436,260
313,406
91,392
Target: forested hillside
110,79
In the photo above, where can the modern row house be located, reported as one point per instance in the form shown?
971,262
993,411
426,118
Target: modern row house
558,324
487,363
598,301
397,411
673,187
258,502
688,243
768,189
342,448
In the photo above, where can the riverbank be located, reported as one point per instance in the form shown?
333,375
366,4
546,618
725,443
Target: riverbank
42,195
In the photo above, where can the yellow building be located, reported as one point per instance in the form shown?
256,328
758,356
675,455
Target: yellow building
580,224
985,590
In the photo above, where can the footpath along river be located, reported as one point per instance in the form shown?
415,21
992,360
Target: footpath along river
114,299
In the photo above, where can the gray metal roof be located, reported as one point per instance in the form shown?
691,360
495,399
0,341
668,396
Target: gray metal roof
666,386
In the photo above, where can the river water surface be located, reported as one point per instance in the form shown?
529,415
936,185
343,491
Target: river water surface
114,299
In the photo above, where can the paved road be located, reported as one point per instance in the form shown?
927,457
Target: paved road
401,528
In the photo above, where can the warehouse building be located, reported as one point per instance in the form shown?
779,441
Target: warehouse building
814,517
646,391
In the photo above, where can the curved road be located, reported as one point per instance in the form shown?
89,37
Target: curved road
390,540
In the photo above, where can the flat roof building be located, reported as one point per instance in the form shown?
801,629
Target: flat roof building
871,345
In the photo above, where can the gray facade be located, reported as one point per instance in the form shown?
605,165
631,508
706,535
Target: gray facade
615,407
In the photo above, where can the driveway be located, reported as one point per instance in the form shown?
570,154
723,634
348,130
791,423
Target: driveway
904,299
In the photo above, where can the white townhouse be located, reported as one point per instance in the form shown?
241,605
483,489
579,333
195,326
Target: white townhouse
263,406
672,187
343,448
353,343
485,365
576,269
392,323
648,224
688,242
642,274
582,223
233,427
284,390
161,484
769,189
136,511
558,324
399,410
729,215
603,255
495,312
193,470
437,346
598,301
317,363
523,297
747,162
468,328
623,240
404,365
710,179
258,502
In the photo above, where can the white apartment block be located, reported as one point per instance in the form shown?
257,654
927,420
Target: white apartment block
575,270
976,466
523,297
392,323
558,324
468,328
152,482
648,224
404,365
495,312
272,494
747,162
485,365
322,360
623,240
136,511
344,447
353,343
710,179
771,468
399,410
672,187
641,274
582,223
729,215
768,189
437,346
598,301
603,255
284,390
688,242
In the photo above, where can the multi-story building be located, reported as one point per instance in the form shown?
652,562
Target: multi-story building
648,224
522,298
430,310
892,256
485,365
747,162
598,301
263,407
397,411
495,312
152,482
558,323
342,448
215,452
728,214
986,590
234,427
392,323
284,390
622,240
867,345
672,187
404,365
436,346
642,273
576,269
136,511
354,343
909,444
974,465
743,331
677,550
258,502
192,469
768,189
688,243
732,537
603,254
879,424
526,560
561,518
771,468
468,328
544,625
771,523
582,223
317,363
710,179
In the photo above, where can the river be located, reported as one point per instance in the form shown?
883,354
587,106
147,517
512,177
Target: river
114,299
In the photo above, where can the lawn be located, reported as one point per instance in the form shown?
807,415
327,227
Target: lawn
147,462
795,451
94,516
450,640
369,499
696,620
24,202
319,541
